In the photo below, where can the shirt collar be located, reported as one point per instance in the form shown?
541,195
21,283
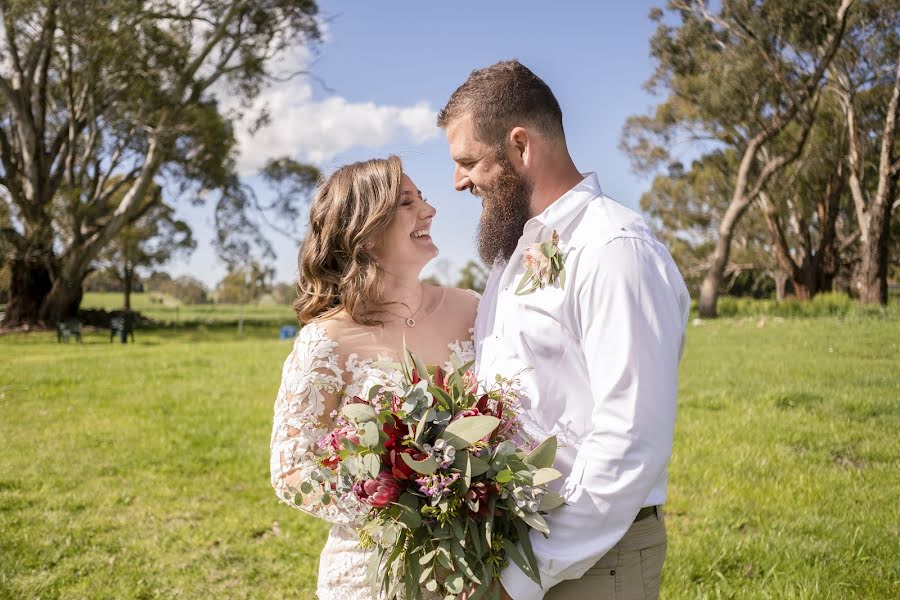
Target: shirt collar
565,208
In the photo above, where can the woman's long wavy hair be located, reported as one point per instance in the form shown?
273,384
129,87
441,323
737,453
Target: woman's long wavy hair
352,207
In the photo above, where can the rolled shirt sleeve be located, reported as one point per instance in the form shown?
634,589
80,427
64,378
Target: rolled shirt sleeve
630,308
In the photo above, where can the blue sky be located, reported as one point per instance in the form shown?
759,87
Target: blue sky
390,65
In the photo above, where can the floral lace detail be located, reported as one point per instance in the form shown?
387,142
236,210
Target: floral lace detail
463,349
310,371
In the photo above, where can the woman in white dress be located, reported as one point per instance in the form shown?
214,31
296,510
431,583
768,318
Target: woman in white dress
359,297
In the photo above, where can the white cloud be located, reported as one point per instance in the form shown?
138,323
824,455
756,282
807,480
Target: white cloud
316,130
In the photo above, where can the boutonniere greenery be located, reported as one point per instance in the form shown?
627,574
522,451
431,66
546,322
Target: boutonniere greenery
543,263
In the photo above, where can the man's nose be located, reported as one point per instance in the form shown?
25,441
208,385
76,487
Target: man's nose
461,181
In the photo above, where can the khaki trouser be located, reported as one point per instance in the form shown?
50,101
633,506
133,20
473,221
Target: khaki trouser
630,571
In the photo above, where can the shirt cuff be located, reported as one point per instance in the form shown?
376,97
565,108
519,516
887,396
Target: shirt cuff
518,585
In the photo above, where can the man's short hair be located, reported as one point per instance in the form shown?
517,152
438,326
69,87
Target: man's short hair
503,96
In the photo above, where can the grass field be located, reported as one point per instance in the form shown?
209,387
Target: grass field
141,471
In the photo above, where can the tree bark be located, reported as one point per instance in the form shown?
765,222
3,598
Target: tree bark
128,281
63,301
29,286
877,243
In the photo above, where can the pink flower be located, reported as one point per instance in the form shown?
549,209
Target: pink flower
539,264
469,412
379,492
331,442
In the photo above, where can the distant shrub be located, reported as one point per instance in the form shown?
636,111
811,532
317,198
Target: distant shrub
831,304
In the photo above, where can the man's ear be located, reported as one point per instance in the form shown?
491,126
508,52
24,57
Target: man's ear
520,148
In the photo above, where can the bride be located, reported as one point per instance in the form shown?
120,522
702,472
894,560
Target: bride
359,297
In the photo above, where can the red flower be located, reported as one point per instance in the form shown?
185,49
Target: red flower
477,498
396,431
379,492
415,376
439,378
399,468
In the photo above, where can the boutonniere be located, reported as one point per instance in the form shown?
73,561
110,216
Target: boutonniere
543,263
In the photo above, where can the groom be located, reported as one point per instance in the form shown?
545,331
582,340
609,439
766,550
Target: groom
600,347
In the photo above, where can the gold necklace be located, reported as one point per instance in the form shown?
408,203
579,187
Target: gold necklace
410,321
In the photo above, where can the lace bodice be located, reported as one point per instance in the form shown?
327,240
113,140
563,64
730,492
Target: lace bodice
312,371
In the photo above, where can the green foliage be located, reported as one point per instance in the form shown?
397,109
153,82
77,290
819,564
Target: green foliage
822,305
473,276
245,284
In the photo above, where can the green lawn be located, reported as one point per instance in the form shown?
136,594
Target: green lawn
141,471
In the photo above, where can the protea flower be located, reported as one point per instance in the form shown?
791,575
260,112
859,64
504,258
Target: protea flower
379,492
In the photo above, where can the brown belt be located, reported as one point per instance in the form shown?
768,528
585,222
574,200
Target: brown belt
645,512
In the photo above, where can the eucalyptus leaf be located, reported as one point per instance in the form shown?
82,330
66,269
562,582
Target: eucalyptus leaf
423,424
513,552
410,518
525,281
545,475
536,522
426,574
454,583
551,500
544,454
424,467
359,413
369,436
504,476
465,432
478,466
372,464
525,541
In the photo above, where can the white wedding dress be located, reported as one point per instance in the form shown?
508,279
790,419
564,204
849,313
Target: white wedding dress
311,371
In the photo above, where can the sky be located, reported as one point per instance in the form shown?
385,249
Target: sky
385,68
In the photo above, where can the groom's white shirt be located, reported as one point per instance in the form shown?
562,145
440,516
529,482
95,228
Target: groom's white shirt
602,372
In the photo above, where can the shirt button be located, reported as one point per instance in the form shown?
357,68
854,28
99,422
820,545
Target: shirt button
613,572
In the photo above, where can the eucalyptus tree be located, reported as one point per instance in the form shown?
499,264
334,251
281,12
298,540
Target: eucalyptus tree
736,78
101,100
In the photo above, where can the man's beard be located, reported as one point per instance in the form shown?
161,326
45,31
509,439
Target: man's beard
506,209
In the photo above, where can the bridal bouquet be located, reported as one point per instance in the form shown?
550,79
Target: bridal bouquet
447,492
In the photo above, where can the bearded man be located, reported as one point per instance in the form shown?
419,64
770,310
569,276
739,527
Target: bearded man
589,306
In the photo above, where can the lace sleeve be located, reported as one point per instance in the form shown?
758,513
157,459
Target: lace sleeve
310,383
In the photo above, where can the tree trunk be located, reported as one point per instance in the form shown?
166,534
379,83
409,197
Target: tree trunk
63,301
709,289
780,284
128,281
874,271
876,230
29,286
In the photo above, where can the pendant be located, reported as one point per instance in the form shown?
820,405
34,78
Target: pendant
410,322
